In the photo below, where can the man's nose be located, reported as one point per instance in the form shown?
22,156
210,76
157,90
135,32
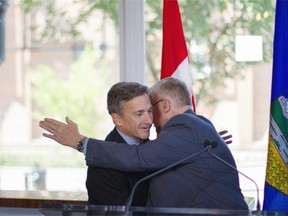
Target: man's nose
149,118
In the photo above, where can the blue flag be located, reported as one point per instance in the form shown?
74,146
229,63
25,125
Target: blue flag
276,182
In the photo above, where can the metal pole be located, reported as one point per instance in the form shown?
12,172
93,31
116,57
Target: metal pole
3,8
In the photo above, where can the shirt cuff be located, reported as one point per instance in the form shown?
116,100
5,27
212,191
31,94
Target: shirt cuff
85,145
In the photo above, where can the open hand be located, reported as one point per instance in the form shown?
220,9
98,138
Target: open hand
64,133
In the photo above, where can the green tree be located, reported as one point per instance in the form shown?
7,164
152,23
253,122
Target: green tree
210,28
60,96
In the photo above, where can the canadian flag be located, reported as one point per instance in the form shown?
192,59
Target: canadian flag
175,60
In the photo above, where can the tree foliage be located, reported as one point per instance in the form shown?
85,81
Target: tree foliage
61,96
210,28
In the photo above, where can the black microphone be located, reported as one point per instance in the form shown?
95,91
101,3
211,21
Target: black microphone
130,198
214,144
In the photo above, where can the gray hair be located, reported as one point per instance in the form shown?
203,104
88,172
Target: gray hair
174,88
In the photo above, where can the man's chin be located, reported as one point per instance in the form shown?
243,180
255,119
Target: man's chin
145,135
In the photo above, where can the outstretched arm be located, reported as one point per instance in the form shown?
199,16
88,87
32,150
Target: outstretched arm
66,134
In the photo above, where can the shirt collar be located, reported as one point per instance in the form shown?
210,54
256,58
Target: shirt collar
128,140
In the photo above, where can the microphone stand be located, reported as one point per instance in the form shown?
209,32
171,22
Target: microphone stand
130,199
258,206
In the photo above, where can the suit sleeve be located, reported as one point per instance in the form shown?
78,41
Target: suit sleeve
178,139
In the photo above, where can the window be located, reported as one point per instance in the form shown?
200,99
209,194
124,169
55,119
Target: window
57,65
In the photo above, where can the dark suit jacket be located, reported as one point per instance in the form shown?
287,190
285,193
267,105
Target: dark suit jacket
201,182
113,187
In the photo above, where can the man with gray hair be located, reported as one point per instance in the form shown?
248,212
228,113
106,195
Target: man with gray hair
200,182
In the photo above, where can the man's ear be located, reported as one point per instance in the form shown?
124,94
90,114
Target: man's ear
166,105
116,119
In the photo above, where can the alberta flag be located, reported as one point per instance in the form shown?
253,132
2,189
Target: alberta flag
276,184
175,61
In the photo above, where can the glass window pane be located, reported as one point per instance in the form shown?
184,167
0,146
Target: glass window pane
234,95
61,59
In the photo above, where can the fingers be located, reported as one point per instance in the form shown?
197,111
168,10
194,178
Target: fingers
50,124
56,137
53,129
228,142
223,132
46,126
64,133
51,136
69,121
227,137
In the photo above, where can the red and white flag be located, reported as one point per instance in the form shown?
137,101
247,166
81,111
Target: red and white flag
175,61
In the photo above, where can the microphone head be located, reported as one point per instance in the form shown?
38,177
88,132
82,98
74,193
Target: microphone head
211,144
